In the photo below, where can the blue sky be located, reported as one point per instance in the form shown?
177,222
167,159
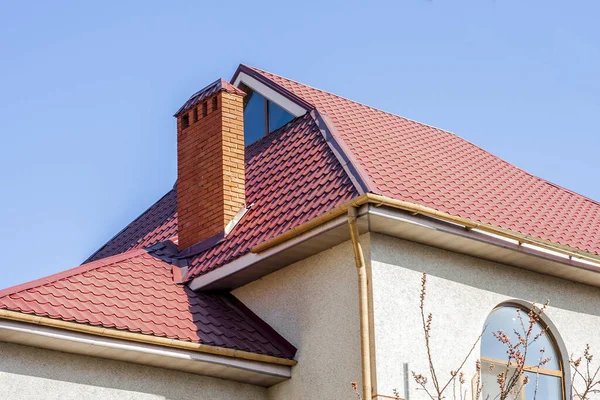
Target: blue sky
88,89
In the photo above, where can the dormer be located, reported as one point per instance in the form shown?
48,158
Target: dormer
265,110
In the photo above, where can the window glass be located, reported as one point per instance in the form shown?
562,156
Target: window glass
507,320
254,117
494,357
258,112
548,387
277,116
489,382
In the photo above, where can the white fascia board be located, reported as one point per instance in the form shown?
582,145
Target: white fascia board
249,259
178,359
269,94
481,236
395,215
540,249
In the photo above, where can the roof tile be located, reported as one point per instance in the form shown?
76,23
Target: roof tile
414,162
135,292
288,173
292,177
155,225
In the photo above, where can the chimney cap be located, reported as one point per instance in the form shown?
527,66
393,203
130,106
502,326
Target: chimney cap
209,91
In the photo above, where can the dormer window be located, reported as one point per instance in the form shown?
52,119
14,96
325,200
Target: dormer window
277,116
261,116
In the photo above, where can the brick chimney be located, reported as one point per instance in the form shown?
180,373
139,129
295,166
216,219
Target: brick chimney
210,162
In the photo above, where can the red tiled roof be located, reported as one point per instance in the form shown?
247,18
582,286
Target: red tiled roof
135,291
291,177
411,161
155,225
403,159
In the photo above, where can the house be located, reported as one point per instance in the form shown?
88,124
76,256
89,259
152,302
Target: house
286,262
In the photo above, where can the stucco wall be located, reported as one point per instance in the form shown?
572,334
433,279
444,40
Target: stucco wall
461,292
30,373
314,304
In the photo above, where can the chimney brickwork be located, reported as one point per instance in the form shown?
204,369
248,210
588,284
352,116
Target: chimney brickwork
210,163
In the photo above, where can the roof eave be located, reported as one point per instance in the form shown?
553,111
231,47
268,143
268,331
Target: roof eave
217,363
45,328
311,237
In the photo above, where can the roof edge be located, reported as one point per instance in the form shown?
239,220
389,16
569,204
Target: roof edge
267,82
360,179
233,369
260,325
128,225
142,338
430,212
73,271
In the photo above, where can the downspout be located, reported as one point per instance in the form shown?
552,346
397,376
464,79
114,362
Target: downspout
365,345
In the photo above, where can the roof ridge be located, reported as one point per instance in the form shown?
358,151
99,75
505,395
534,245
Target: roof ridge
261,77
73,271
358,176
368,106
354,101
596,202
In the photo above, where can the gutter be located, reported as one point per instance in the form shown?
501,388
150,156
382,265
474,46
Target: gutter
300,229
468,224
41,337
141,338
363,295
214,280
369,198
366,188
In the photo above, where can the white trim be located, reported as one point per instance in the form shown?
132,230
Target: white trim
229,271
249,259
250,371
240,214
269,94
484,237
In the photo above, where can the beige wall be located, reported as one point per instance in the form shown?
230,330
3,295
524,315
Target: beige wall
462,291
314,304
29,373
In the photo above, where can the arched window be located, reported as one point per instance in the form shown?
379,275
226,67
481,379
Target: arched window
548,378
